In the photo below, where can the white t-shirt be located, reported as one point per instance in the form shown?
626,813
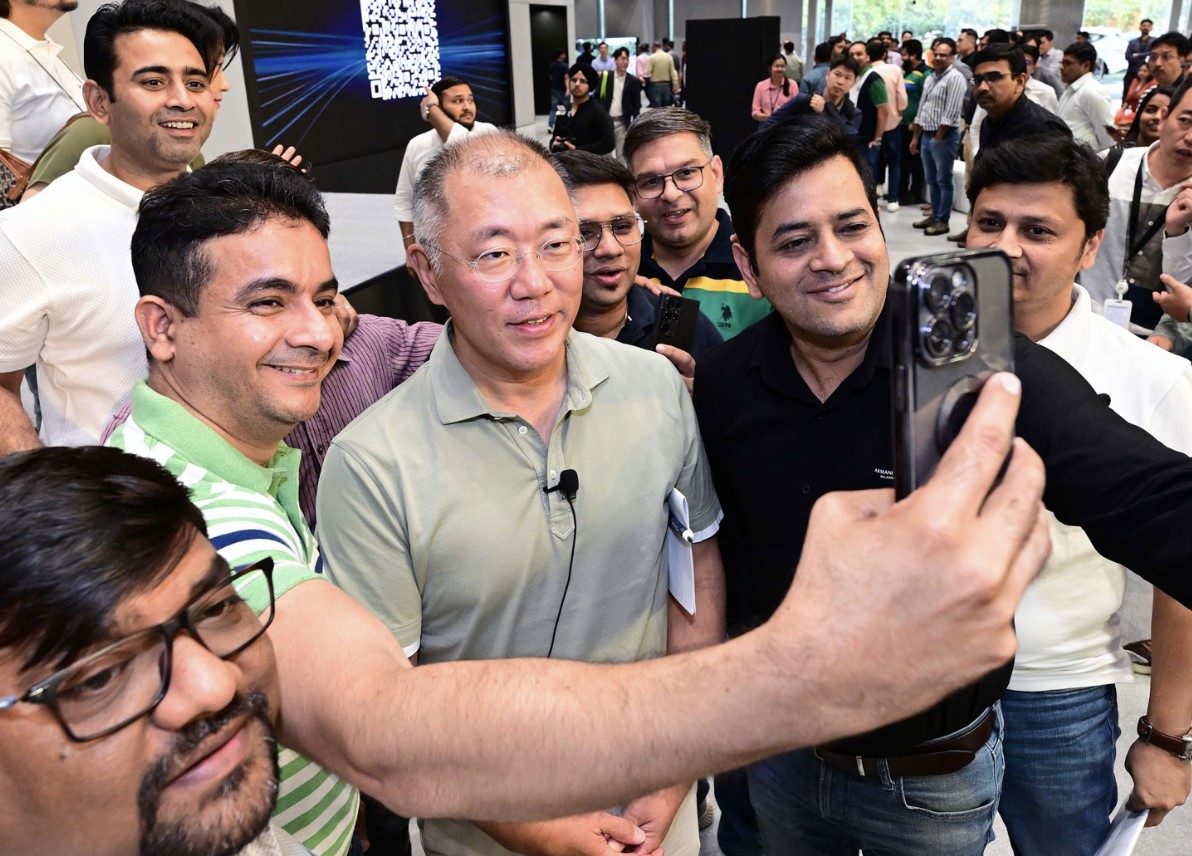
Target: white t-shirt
38,91
1067,623
67,293
419,151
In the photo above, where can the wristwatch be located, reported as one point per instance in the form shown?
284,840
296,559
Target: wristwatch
426,110
1181,746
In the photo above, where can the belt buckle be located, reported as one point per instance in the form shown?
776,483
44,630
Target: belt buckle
860,765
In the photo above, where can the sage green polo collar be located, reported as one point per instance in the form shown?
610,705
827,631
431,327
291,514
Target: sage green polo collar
200,444
457,399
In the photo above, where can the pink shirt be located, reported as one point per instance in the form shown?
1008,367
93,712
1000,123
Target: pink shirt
768,98
643,66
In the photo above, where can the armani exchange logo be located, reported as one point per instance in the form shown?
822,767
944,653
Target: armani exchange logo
885,475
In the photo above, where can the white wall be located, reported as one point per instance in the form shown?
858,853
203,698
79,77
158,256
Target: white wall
521,60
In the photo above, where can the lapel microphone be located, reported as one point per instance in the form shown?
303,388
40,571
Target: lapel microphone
568,485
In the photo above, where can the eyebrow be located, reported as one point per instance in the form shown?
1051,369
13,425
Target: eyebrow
189,71
217,571
1030,217
276,283
626,216
784,228
485,234
683,165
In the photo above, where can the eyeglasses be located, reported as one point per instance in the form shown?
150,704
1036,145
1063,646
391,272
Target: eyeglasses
626,231
498,264
686,179
989,77
1162,57
118,684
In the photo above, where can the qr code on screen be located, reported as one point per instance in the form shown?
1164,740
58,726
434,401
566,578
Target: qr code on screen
401,41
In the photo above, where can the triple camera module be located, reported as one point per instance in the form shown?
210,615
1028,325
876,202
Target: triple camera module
947,314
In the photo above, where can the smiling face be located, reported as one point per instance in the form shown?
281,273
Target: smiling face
160,109
251,360
941,58
778,70
858,52
679,219
1039,228
196,775
1151,118
514,330
820,256
609,270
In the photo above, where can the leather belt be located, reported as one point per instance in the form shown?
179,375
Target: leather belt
935,759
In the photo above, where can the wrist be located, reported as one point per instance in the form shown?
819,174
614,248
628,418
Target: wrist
1178,745
426,110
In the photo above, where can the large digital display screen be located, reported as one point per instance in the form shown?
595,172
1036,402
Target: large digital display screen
342,79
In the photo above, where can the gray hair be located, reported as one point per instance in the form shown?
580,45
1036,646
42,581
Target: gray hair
656,124
500,154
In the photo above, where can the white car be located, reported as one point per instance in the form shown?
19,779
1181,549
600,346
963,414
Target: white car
1111,50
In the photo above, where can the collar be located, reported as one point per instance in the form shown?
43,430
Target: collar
1080,82
195,440
457,399
640,316
1016,109
773,360
720,251
1072,334
26,41
90,168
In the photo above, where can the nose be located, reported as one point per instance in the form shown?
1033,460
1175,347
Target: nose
1008,241
531,280
313,327
670,189
832,255
608,245
181,95
200,684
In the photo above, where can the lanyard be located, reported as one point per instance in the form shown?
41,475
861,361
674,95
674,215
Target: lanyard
774,98
53,77
1132,248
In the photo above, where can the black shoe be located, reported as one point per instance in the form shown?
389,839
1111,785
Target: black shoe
929,220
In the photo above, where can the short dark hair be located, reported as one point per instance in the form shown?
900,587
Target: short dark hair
1044,33
885,33
231,195
444,83
1178,95
1084,33
81,530
112,20
999,51
585,169
904,32
914,47
587,46
1173,39
875,49
1082,52
944,40
1029,50
619,51
5,9
996,36
823,52
1147,21
969,31
848,62
657,124
602,45
769,158
231,33
1044,159
788,45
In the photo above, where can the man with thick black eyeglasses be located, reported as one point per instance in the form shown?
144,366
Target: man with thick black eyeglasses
1004,111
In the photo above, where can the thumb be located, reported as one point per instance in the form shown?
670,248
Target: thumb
621,831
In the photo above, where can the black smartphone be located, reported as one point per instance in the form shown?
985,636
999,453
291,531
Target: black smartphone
675,326
953,326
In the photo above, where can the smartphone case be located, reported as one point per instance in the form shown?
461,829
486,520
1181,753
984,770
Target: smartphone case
675,326
936,379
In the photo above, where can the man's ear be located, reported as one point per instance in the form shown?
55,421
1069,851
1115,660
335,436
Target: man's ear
419,262
745,265
157,320
98,102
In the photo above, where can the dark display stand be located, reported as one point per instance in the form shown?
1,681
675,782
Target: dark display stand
726,57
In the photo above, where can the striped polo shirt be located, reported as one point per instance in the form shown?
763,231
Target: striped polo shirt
714,281
251,513
942,101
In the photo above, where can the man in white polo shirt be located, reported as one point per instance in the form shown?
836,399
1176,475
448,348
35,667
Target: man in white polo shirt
450,108
66,278
38,91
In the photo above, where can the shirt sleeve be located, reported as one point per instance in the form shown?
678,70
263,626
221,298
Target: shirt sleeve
1179,332
7,97
954,102
877,92
366,547
1177,256
408,346
757,99
695,480
24,309
403,198
63,153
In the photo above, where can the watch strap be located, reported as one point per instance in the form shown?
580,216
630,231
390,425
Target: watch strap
1180,746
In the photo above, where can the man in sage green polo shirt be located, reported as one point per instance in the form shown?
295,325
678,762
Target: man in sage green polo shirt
446,510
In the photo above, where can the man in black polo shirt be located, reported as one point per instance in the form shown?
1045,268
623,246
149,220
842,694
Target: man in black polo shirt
999,87
591,129
611,305
800,405
688,242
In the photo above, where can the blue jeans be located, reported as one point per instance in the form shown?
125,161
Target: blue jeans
556,98
805,806
892,148
737,833
1059,789
659,94
937,170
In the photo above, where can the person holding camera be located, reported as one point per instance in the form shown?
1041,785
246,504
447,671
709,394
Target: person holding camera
588,126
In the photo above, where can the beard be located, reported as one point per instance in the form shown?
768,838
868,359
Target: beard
245,816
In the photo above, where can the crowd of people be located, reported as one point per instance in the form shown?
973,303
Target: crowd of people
278,576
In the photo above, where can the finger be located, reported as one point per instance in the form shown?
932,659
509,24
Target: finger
967,470
682,360
1173,283
620,831
1156,816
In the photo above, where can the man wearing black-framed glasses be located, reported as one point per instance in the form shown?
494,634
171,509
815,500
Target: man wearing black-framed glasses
1006,113
135,709
611,230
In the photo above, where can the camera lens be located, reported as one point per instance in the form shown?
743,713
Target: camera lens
962,343
939,286
937,339
963,310
960,278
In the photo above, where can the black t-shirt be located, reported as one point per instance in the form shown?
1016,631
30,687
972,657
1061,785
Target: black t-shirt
558,76
774,449
1024,119
592,129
